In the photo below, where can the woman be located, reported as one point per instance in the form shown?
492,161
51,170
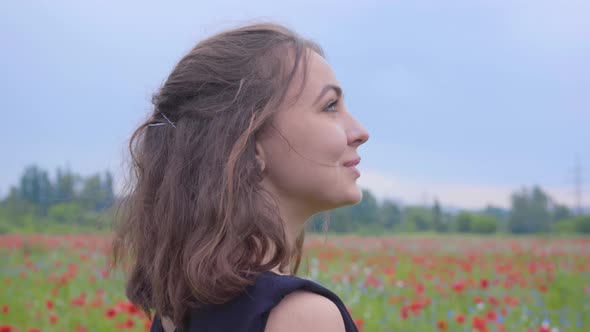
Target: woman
248,139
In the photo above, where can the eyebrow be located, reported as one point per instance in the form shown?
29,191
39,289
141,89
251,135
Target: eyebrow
327,88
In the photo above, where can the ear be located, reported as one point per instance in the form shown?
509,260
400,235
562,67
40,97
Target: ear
260,156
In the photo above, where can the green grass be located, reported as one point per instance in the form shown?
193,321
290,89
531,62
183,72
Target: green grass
550,279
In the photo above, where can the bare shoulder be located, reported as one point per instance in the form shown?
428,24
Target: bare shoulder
305,311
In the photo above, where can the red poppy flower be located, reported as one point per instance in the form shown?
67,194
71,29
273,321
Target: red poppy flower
460,318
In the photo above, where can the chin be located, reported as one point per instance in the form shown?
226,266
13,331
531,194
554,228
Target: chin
350,197
358,196
353,197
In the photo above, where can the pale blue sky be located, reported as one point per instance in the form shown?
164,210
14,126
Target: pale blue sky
464,100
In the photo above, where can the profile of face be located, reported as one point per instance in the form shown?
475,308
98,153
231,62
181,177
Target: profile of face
306,152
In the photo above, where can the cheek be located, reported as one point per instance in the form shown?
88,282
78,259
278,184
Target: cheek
311,167
323,143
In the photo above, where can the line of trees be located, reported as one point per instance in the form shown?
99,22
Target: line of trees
69,201
72,201
532,211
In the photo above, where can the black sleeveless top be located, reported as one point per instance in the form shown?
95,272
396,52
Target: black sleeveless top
249,311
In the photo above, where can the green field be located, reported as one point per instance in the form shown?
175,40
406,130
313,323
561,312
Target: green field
409,283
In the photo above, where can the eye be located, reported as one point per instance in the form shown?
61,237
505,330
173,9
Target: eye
331,106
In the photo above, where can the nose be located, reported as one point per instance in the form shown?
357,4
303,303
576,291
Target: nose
357,134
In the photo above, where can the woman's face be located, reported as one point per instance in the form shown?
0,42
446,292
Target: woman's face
323,135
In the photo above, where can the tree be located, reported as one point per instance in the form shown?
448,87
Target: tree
500,214
97,193
529,211
15,209
417,218
65,186
463,222
560,212
91,193
66,212
108,194
36,188
484,224
437,217
583,224
390,214
366,211
497,212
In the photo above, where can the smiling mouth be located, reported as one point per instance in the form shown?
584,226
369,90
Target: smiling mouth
353,162
351,165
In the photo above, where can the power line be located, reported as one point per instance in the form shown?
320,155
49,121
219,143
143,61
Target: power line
578,183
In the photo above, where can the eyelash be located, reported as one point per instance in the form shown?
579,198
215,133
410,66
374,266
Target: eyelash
330,105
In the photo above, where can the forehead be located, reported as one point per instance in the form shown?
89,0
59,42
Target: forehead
318,74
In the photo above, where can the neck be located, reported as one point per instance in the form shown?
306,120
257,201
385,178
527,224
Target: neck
294,217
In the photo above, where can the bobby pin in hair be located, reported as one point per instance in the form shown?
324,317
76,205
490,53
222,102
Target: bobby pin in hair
162,123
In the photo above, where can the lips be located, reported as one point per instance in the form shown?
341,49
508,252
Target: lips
352,163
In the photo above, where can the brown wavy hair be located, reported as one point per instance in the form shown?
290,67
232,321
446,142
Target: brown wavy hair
194,226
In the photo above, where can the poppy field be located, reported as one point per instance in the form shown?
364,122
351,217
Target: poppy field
401,283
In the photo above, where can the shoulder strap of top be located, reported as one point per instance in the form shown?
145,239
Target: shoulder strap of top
157,324
250,310
283,285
